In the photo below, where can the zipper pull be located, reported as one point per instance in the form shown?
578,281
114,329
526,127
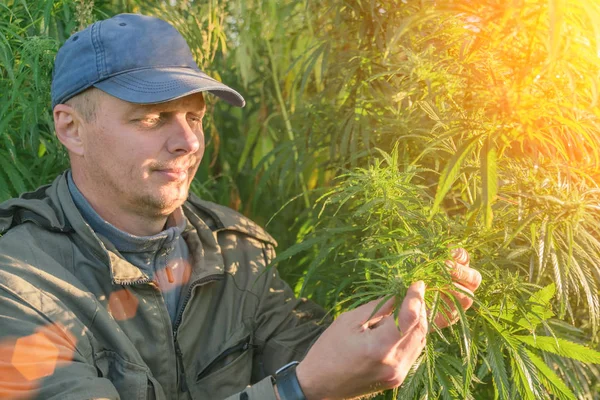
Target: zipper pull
170,276
182,381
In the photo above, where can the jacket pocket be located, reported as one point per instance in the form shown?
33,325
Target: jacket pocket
130,380
227,372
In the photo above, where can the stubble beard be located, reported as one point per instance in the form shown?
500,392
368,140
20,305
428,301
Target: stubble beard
156,206
159,204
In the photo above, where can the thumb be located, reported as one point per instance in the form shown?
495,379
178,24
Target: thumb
411,329
412,309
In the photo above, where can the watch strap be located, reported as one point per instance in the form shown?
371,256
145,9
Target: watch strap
288,386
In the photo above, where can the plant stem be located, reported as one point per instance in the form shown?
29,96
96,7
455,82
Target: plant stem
286,119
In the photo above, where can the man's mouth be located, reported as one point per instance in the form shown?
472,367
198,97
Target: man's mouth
174,174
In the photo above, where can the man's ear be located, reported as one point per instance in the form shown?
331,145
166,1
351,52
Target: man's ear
68,124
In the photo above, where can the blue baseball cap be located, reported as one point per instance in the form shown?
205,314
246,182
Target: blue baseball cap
136,58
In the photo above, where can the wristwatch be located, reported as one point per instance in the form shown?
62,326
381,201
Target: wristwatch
288,386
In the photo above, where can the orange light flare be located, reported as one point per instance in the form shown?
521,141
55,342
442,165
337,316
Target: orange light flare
25,361
531,69
122,304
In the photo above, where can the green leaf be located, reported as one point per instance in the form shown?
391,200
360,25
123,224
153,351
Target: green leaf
543,296
549,379
561,347
41,149
526,222
17,180
525,373
497,363
451,172
489,180
251,138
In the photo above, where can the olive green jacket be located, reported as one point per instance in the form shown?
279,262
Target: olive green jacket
77,321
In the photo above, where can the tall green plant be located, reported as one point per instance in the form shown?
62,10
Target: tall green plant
29,38
375,228
30,34
498,111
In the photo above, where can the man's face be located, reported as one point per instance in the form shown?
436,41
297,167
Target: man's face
141,158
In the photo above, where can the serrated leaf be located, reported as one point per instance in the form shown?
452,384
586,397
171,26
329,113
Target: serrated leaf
543,296
497,364
550,380
561,347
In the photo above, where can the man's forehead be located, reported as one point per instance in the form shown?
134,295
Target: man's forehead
193,102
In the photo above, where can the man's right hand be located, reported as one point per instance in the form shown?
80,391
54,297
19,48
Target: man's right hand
360,353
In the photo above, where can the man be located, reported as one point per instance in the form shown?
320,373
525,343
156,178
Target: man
115,282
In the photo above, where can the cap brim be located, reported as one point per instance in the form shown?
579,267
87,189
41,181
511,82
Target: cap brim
157,85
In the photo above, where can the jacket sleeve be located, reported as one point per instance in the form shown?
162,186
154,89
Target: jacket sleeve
285,329
262,390
286,326
40,357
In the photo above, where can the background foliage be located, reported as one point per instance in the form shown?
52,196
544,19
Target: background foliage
384,132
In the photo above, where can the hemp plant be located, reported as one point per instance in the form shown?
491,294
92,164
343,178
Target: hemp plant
376,235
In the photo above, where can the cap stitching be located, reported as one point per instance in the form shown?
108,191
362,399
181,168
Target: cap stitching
126,79
97,48
104,68
148,87
155,67
142,89
72,93
133,81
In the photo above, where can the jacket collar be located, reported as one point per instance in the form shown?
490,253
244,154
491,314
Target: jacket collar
52,208
204,252
224,218
40,207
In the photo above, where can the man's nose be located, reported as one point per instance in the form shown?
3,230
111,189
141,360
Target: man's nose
184,139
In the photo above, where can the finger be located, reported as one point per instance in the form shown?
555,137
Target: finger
466,276
445,320
412,306
413,327
403,352
463,295
448,313
460,255
411,314
453,263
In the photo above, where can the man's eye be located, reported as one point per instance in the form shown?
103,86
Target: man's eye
151,121
195,119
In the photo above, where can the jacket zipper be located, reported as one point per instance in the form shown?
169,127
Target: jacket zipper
180,371
182,384
133,283
243,346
